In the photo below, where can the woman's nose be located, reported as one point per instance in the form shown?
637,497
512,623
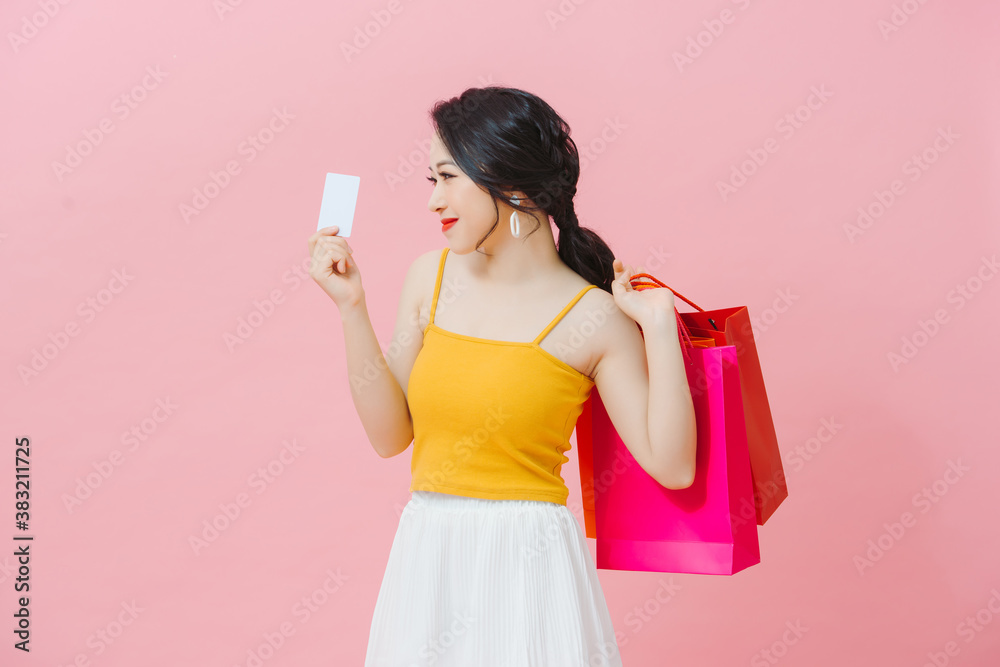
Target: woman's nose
435,203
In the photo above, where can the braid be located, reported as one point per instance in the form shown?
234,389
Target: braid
579,247
583,250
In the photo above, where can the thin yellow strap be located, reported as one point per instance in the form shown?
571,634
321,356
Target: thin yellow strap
437,284
565,310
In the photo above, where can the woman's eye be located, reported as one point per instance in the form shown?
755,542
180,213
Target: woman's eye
443,175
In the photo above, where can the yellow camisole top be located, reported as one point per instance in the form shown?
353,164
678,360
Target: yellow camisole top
492,419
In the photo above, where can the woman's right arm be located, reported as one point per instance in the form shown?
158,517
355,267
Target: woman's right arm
377,396
377,382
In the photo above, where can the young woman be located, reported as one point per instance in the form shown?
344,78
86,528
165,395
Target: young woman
488,567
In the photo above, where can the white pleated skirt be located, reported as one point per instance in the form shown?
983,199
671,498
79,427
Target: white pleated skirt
490,583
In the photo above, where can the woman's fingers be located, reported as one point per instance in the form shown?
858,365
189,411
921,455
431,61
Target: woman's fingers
330,257
327,236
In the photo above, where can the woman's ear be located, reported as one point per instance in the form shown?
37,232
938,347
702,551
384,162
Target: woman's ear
522,199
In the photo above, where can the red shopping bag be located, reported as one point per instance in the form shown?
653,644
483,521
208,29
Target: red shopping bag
731,326
642,526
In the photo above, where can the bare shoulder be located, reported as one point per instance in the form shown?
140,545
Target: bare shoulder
411,318
612,328
599,323
420,280
427,263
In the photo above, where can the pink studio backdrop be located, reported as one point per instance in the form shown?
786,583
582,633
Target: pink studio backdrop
832,166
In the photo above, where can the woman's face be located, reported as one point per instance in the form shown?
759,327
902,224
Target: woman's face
455,195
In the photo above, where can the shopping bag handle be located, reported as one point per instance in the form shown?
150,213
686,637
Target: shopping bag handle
682,328
645,284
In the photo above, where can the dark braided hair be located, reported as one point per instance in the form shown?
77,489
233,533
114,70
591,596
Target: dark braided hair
506,139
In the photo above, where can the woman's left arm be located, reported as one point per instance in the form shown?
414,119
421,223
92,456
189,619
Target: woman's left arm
643,383
672,434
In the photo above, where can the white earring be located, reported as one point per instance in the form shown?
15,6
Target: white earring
515,222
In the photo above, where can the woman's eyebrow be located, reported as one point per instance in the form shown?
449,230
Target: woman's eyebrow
443,162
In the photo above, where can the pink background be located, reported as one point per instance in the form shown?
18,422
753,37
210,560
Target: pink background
650,187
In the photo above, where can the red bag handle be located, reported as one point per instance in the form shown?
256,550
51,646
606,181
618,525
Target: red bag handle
659,283
681,327
644,284
641,281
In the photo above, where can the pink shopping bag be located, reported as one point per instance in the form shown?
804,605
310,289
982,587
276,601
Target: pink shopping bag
642,526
